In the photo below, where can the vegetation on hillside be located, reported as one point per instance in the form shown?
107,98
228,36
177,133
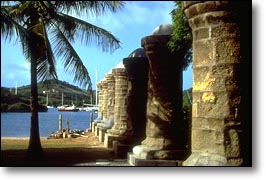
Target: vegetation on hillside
72,94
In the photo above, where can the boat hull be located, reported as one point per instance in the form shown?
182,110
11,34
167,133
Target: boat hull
69,110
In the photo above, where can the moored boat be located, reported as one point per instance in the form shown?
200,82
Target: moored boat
72,108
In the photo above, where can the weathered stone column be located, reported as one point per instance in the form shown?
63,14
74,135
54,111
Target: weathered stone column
104,106
111,95
60,123
100,100
165,137
137,71
100,107
120,114
220,114
121,91
105,99
109,121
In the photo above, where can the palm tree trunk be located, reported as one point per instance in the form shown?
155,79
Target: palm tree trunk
34,148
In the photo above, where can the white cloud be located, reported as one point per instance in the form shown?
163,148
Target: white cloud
135,13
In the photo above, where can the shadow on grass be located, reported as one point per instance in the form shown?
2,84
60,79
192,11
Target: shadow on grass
56,157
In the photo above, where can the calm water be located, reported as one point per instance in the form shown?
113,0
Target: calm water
18,124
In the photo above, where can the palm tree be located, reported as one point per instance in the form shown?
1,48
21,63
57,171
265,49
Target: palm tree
46,30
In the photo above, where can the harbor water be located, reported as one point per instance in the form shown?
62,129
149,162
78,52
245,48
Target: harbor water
18,124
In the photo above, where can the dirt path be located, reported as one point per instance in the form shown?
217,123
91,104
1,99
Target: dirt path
80,151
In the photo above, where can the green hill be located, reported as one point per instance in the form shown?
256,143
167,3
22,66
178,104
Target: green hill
55,89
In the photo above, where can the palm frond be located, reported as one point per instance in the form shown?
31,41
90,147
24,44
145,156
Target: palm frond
50,57
71,60
88,7
46,65
11,25
77,29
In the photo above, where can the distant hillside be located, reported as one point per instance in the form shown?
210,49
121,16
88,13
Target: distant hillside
55,89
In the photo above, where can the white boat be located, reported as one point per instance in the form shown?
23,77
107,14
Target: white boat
89,107
72,108
92,108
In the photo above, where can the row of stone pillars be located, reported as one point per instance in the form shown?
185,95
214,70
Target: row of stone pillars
148,116
129,92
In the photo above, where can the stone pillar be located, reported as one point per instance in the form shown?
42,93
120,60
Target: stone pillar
100,107
110,95
165,135
120,126
100,100
120,111
104,106
220,114
60,123
105,99
91,121
67,125
137,72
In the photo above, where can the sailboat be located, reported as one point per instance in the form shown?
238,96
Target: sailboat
47,99
72,108
93,107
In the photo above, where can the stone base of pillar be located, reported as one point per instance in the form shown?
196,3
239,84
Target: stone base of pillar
155,153
209,159
90,128
121,150
96,131
102,134
135,161
65,135
108,140
93,125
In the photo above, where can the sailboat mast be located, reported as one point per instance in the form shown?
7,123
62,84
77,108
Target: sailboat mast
47,99
96,91
62,98
16,88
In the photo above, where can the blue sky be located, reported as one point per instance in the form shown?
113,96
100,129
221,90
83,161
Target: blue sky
130,24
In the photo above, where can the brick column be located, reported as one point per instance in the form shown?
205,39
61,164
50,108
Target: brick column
220,114
165,123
